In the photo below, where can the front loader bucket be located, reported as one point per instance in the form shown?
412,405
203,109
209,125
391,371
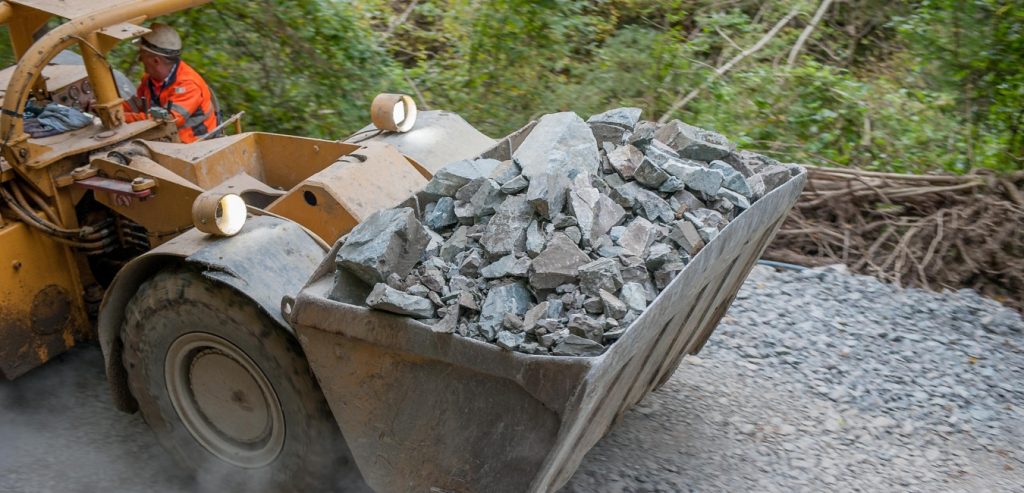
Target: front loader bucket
423,411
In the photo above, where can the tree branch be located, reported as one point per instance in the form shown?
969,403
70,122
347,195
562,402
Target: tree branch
683,101
795,52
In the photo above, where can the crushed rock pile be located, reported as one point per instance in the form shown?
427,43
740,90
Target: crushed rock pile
557,250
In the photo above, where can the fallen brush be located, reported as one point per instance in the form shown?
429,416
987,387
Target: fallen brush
929,231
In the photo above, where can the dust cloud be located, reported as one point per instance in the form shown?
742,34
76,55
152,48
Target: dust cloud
60,432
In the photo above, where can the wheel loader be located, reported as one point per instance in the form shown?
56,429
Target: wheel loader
203,269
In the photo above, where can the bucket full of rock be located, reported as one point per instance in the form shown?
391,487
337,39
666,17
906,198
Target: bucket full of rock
485,334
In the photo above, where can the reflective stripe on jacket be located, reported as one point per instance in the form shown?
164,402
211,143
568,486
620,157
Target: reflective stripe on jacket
185,94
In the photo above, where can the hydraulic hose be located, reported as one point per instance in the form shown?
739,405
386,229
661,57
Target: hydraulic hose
20,193
81,238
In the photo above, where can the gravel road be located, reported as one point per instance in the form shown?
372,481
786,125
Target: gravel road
815,380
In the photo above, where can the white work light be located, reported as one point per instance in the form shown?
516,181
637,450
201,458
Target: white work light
219,214
393,112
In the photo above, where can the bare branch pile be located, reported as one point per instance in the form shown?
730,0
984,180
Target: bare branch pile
928,231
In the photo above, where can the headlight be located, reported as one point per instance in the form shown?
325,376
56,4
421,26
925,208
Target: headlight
219,214
393,112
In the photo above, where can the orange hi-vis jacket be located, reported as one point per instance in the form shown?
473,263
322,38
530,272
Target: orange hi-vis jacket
185,94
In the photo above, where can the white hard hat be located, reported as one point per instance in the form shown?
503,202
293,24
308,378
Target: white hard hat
162,40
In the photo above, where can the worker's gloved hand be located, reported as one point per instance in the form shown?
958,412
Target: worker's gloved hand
158,113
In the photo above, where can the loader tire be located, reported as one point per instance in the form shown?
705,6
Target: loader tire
228,392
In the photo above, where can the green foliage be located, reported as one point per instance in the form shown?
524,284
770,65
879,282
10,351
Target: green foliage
976,47
299,67
6,52
905,86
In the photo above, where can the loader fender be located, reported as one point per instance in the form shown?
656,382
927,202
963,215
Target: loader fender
270,258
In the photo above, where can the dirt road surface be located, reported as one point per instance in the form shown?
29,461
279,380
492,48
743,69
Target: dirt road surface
784,398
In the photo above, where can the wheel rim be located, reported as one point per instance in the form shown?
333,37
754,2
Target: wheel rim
224,400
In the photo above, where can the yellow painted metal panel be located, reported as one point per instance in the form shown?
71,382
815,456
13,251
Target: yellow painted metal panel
41,309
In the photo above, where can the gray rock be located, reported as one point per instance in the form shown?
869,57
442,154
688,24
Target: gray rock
562,221
512,322
626,117
609,134
433,248
660,254
660,153
505,233
671,185
515,185
684,201
574,345
643,134
449,322
593,306
550,339
465,194
651,206
625,160
487,198
734,198
574,234
625,193
505,172
386,298
733,179
634,270
558,264
547,193
456,243
418,290
613,306
582,204
433,279
602,273
395,281
612,335
535,240
543,310
650,175
587,327
465,213
448,180
605,247
441,215
509,340
757,187
774,176
560,143
697,178
664,275
471,263
706,217
693,142
508,265
748,163
638,237
595,213
511,298
607,214
465,299
634,296
685,234
389,241
708,233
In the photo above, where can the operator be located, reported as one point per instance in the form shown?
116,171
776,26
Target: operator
173,85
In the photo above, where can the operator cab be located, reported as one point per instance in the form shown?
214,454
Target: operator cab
84,82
